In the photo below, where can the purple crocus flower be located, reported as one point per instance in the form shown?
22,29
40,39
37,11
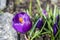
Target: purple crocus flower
22,22
44,12
39,23
55,29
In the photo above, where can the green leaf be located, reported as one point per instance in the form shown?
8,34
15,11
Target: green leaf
30,7
28,13
54,15
47,8
50,13
33,28
57,33
38,32
39,8
49,26
46,29
46,33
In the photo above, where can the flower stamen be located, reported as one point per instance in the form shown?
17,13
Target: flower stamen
21,19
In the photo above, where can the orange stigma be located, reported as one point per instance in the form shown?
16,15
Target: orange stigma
21,19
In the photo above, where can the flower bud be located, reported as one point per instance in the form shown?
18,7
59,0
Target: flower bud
55,29
39,23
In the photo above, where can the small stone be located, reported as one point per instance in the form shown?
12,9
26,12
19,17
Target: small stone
6,30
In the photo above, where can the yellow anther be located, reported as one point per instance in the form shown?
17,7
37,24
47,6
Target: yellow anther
21,19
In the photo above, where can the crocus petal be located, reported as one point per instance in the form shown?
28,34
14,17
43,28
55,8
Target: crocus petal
39,23
16,18
55,29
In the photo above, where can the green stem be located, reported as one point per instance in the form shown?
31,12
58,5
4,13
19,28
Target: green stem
30,7
39,8
47,8
54,13
49,26
52,37
46,29
45,33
